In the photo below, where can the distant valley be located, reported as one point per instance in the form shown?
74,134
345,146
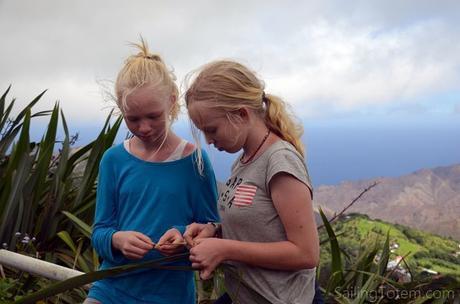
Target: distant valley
421,250
428,199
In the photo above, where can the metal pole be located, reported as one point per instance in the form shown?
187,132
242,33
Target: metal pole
36,266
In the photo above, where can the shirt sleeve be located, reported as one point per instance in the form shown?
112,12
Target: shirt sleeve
204,196
287,161
205,199
105,220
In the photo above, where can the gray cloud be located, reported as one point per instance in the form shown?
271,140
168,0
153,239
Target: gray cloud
319,55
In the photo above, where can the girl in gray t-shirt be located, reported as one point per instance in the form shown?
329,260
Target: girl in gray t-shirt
268,241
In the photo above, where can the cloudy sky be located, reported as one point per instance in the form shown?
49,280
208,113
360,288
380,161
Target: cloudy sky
336,62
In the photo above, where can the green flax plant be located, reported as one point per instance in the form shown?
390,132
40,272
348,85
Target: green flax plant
365,278
46,185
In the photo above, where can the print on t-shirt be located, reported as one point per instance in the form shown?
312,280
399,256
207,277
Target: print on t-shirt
244,195
237,193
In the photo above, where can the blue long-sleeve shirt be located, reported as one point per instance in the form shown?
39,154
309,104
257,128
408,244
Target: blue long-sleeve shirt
151,198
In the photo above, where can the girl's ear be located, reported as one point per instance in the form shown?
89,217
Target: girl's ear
243,113
172,99
240,116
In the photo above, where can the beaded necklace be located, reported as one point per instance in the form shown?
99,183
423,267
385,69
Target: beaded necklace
257,150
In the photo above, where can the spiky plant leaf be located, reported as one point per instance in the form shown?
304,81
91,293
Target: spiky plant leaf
383,263
64,235
11,197
37,185
87,278
83,227
28,108
336,260
3,100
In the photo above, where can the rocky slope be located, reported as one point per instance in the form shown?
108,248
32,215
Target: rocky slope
428,199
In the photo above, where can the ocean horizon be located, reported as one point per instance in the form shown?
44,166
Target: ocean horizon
337,152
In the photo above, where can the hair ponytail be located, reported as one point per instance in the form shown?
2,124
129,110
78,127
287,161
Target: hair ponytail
281,122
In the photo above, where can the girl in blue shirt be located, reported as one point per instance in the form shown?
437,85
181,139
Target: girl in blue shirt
150,187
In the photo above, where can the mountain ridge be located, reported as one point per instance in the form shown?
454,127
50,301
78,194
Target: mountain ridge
426,199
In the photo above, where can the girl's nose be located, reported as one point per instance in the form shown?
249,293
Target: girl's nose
209,140
144,127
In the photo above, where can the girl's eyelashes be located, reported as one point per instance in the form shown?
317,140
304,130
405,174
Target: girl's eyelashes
132,119
209,130
154,116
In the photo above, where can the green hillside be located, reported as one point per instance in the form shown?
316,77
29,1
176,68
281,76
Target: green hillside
421,250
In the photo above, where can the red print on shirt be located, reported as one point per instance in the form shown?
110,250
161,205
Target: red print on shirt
244,195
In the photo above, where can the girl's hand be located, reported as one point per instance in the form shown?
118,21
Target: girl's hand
171,242
206,255
134,245
198,231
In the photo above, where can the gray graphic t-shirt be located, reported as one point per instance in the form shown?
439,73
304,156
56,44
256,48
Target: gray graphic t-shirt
248,214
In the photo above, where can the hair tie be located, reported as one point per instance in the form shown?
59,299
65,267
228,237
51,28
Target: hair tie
152,57
264,98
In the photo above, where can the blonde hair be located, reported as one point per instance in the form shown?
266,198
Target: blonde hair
228,86
146,68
